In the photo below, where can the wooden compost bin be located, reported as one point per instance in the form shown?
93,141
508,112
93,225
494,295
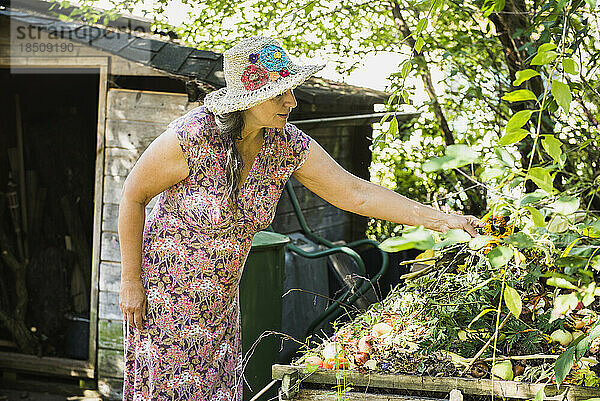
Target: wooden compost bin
299,385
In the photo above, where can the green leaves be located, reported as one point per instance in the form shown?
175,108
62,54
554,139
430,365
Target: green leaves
519,240
418,238
405,69
545,54
456,156
546,47
563,365
565,205
536,216
584,344
524,75
452,237
513,301
479,242
514,132
519,95
569,66
561,282
562,94
571,264
393,129
576,350
552,146
541,177
533,197
539,396
419,44
513,137
518,120
421,25
500,256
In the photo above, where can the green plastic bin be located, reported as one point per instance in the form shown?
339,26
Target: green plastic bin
261,289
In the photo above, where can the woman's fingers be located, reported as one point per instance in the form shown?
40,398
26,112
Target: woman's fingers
129,318
474,221
133,301
138,318
468,227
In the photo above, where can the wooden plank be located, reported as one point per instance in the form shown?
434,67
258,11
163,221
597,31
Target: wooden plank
134,135
97,224
484,387
110,217
110,248
146,106
46,365
120,161
111,363
110,276
110,334
110,388
330,395
113,186
109,306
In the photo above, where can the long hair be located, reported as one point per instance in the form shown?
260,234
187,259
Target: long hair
230,129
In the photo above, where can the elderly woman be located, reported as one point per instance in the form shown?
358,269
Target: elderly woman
220,170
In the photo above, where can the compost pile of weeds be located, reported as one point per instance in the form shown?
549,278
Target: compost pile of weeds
442,321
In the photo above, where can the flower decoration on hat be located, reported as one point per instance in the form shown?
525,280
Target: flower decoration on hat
273,58
273,75
254,77
253,58
284,72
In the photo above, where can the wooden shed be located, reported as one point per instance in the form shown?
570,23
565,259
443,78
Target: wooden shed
84,101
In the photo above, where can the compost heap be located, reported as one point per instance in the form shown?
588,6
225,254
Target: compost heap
442,320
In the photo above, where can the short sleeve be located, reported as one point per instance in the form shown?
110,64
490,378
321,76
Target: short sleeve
190,130
299,143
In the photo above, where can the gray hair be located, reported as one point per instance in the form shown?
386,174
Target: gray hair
230,129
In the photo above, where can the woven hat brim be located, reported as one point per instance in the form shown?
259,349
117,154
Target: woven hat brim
222,101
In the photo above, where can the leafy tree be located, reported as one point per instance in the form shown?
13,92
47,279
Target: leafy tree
480,46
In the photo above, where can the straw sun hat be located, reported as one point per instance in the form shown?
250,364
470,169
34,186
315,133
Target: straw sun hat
256,69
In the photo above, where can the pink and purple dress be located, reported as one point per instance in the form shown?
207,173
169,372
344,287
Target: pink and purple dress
194,249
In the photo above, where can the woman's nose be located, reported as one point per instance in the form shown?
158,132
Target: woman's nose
290,99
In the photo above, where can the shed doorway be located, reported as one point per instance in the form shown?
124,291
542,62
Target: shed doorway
48,142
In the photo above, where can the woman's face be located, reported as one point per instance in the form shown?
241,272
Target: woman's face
272,113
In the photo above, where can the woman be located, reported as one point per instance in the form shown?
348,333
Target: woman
220,170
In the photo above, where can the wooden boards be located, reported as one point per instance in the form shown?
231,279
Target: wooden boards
482,387
322,395
46,365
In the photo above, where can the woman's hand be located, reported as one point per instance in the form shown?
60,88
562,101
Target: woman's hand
467,223
132,301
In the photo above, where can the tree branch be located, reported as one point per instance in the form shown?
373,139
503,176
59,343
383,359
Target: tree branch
426,76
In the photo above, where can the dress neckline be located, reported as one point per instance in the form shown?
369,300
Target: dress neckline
255,163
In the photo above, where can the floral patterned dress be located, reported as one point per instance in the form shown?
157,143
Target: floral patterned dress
194,249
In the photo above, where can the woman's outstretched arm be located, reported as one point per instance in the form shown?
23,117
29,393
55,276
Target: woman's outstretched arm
325,177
